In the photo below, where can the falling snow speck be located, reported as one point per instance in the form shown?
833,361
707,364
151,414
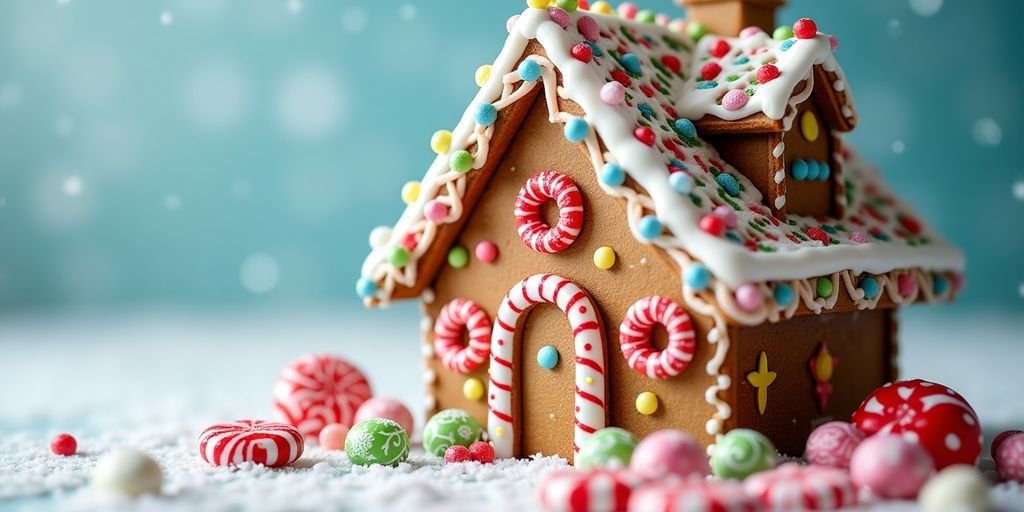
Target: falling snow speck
166,18
407,12
259,273
895,28
925,8
898,147
64,126
73,186
1020,290
987,132
295,6
172,202
1018,190
354,20
11,94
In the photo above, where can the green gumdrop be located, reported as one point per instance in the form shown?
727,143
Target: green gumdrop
782,32
741,453
377,441
448,428
695,30
458,256
610,447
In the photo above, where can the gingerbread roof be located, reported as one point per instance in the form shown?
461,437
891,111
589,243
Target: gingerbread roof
677,179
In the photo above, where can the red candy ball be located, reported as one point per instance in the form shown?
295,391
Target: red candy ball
482,452
644,134
712,225
1010,458
457,453
719,48
64,445
1000,438
805,28
582,52
672,62
767,73
710,70
819,235
930,414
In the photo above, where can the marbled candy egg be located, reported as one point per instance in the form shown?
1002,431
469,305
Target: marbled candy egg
610,447
741,453
832,444
669,453
449,427
890,467
377,441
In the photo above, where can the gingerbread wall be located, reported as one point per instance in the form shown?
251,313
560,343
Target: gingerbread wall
809,196
863,342
545,397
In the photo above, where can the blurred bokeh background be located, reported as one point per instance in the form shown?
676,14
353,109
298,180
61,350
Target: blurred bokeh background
214,154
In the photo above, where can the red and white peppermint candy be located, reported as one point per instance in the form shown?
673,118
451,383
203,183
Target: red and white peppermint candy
455,317
536,234
260,442
693,495
832,444
318,390
930,414
595,490
1010,458
795,487
638,347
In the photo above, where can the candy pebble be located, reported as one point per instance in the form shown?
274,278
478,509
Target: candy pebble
602,7
832,444
907,285
582,52
805,28
646,403
767,73
576,129
824,287
447,428
1010,459
649,227
955,489
604,258
610,447
680,182
696,30
547,357
399,257
387,408
669,453
441,141
742,452
783,294
749,297
379,236
613,93
612,174
127,472
685,127
64,445
697,277
435,211
559,16
332,437
529,70
568,5
632,63
486,251
727,214
482,75
511,23
365,287
750,31
890,467
735,99
782,33
377,441
644,134
720,48
473,389
482,452
712,225
410,192
458,256
589,28
859,237
457,453
710,70
486,114
461,161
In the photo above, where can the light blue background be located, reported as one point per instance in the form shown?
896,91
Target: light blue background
246,128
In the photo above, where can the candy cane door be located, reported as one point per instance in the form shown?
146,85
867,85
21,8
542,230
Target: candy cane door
547,390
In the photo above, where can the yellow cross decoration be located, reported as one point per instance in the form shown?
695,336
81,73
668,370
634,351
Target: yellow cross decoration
761,379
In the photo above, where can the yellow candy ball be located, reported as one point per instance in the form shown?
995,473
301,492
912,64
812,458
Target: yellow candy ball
483,73
473,389
538,4
602,8
500,431
441,141
646,403
589,380
809,126
604,258
410,192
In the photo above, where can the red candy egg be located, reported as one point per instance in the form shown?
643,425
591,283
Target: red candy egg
582,52
712,225
644,134
710,70
1000,438
719,48
767,73
932,415
1010,458
672,62
64,445
805,28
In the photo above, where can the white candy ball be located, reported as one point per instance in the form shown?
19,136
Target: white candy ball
954,489
379,236
127,472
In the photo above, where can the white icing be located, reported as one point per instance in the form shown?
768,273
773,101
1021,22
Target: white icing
839,85
780,176
779,149
780,201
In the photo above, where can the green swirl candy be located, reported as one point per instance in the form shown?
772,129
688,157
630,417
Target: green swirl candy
741,453
610,447
447,428
377,441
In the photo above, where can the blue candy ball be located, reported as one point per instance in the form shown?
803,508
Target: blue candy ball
798,170
529,70
680,182
547,357
486,114
823,171
685,128
697,277
783,294
612,174
729,183
576,130
649,227
940,285
813,170
631,63
870,287
365,287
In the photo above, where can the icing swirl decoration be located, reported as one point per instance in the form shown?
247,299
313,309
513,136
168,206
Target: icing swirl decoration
458,316
540,188
638,347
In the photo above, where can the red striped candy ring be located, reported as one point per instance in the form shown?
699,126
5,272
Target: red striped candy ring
260,442
587,491
588,338
696,495
318,390
638,348
536,234
795,487
455,316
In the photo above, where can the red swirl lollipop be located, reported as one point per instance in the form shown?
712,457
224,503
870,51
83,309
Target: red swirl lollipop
318,390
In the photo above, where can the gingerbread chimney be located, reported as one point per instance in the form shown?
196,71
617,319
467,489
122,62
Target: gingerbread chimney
728,17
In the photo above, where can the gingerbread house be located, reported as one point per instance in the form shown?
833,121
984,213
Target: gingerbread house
640,223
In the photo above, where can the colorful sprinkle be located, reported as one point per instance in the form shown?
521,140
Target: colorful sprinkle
719,48
529,70
486,251
632,63
365,287
646,403
604,258
786,45
680,182
582,52
435,211
547,357
750,31
712,225
805,28
685,128
441,141
644,134
612,174
824,287
783,294
859,237
559,16
461,161
710,70
749,297
649,227
729,183
742,59
697,277
486,114
576,130
588,28
734,99
870,287
819,235
782,33
672,63
458,256
767,73
482,75
613,93
707,85
410,192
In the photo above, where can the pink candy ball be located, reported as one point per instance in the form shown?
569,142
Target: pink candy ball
734,99
386,408
669,453
332,437
907,285
486,251
750,31
588,28
833,444
890,466
613,93
749,297
435,211
1010,458
727,214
